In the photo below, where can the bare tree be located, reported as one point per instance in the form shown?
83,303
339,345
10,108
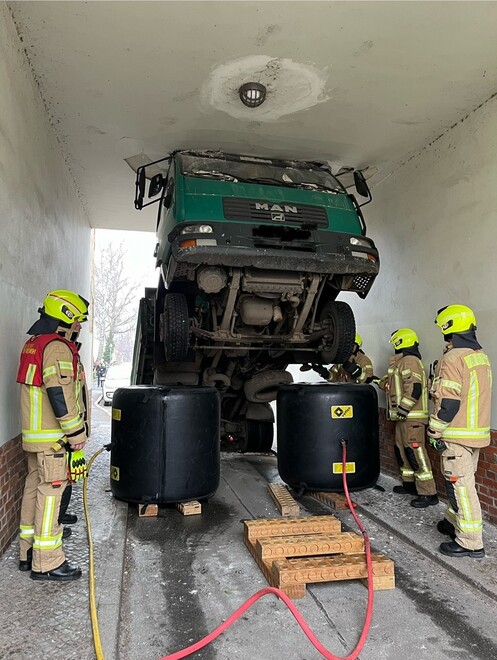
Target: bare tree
114,295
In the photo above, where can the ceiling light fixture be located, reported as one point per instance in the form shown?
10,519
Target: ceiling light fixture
252,94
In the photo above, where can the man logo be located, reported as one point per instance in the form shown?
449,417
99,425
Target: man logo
278,217
264,206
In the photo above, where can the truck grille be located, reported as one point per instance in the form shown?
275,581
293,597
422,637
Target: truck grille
259,210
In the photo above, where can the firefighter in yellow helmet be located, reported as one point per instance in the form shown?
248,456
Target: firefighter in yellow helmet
407,405
357,369
459,426
54,401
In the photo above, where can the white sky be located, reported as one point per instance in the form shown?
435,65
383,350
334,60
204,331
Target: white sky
139,260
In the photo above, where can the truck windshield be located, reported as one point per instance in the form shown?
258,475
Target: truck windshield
259,172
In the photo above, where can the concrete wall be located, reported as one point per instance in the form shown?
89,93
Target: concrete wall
44,240
435,223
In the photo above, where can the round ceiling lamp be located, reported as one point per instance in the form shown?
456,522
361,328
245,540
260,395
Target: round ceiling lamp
252,94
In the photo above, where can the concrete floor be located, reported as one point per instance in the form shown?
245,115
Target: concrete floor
162,583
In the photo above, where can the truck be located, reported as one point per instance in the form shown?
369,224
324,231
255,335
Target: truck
253,253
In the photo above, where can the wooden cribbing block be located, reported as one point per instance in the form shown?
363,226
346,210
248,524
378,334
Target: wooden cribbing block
308,545
292,591
287,506
287,572
189,508
148,510
336,501
264,528
294,552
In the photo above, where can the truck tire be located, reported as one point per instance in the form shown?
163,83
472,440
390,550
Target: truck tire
342,328
176,331
263,387
258,436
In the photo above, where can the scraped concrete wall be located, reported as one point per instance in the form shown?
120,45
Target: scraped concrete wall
44,243
435,223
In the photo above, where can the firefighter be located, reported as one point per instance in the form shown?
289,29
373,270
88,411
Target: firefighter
459,426
407,405
357,369
54,401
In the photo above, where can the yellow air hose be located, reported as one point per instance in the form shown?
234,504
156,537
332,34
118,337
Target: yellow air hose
91,575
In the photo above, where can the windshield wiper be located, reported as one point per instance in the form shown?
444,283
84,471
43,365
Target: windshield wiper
212,175
291,184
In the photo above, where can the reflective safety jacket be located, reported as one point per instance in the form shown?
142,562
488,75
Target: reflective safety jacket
461,394
338,374
54,395
405,379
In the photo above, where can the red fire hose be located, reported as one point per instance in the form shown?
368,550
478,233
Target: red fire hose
282,596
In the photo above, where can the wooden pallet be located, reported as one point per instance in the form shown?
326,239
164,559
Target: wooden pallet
287,506
148,510
336,501
192,508
294,552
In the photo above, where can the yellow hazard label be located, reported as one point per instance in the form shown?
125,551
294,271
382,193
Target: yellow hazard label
114,473
342,412
338,468
116,414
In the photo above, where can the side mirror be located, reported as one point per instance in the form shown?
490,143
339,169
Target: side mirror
140,188
360,184
156,184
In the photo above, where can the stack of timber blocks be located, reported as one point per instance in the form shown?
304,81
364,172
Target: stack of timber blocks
294,552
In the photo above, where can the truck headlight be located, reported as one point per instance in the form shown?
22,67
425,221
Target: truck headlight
363,242
197,229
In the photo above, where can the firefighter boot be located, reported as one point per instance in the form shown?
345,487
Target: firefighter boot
407,488
422,501
453,549
25,564
64,573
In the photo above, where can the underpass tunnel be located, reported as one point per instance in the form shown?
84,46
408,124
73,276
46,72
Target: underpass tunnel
394,94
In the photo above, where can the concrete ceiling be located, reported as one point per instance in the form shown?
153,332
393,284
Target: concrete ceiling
355,83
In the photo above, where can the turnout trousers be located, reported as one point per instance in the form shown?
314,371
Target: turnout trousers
459,464
40,528
413,460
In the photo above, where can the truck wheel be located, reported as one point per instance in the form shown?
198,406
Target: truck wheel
175,327
258,436
263,387
342,332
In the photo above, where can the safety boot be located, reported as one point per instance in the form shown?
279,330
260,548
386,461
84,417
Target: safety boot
453,549
422,501
25,564
407,488
63,573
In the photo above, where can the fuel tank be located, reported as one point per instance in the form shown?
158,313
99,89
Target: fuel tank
165,443
312,421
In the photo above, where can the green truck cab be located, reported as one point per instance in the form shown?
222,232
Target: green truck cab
253,254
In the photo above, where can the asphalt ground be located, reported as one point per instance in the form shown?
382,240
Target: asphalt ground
162,583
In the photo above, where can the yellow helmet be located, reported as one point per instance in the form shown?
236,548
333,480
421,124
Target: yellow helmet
455,318
66,306
403,338
358,340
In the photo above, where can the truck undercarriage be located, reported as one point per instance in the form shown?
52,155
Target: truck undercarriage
246,292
